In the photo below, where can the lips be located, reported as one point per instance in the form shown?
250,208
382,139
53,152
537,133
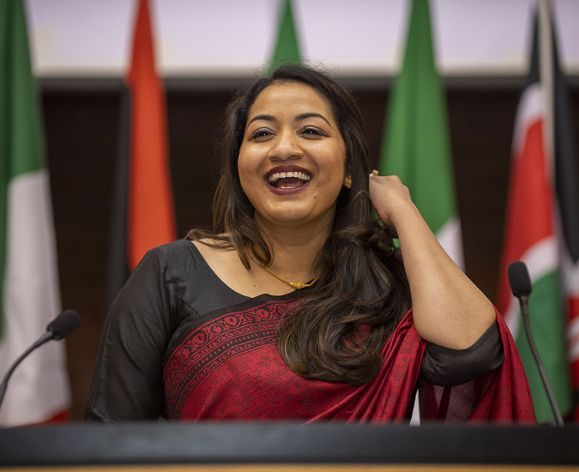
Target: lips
287,178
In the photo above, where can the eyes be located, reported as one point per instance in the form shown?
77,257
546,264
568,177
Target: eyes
308,132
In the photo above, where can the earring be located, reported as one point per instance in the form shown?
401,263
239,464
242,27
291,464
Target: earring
348,181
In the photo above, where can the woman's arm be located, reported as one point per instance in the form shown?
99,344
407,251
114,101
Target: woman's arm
448,309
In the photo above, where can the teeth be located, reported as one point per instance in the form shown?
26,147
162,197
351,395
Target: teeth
288,175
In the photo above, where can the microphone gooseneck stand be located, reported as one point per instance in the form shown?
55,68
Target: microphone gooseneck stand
57,329
521,287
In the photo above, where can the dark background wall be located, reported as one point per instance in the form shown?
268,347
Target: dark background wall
81,120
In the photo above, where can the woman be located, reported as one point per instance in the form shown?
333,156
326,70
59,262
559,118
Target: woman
296,305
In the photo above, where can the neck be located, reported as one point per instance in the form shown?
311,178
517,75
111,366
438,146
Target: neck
295,249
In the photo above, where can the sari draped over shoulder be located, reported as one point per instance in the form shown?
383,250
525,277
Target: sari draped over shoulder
230,368
179,344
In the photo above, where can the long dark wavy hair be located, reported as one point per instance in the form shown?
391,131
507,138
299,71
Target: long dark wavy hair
338,329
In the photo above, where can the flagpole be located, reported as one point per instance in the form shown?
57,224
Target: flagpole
547,80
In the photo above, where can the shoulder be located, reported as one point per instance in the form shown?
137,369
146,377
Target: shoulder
169,263
172,249
169,254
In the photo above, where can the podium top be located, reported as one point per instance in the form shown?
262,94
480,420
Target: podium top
275,443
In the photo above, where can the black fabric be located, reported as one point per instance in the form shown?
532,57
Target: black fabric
449,367
171,292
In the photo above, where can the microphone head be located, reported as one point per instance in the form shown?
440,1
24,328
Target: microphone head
519,279
63,324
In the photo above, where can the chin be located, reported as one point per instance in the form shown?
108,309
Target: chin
290,216
295,218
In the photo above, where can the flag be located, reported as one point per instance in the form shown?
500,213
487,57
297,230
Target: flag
287,49
416,139
38,391
143,214
542,201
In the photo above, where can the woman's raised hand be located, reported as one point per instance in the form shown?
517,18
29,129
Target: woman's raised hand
390,197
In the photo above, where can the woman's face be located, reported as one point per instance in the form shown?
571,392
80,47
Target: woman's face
292,158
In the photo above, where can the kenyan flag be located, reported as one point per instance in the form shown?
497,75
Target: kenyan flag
542,220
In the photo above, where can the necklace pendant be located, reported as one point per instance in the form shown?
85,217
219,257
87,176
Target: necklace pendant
296,285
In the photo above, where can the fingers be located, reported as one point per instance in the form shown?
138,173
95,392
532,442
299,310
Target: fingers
391,179
386,191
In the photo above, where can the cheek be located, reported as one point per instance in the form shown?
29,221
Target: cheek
336,162
245,169
248,162
250,180
245,182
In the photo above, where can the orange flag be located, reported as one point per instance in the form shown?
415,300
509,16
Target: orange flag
151,221
143,215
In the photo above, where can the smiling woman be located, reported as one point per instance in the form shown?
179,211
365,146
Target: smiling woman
296,305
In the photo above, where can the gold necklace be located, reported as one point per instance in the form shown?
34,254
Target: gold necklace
296,285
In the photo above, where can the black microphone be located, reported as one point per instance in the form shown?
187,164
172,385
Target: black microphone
519,279
59,328
63,324
521,287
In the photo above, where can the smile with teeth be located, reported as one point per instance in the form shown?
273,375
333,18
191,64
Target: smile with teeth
288,179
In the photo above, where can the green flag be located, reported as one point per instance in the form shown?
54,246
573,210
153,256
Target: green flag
287,49
30,296
416,139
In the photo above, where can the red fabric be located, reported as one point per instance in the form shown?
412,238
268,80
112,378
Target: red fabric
229,369
62,416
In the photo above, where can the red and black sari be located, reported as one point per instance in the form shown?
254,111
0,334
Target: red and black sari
179,344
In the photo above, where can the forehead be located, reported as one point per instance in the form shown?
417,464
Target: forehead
290,97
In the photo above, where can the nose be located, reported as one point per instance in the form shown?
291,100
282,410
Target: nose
286,146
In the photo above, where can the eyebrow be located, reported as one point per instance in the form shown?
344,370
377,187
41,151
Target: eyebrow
304,116
301,117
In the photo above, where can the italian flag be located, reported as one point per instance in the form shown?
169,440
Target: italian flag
38,391
416,139
286,49
542,218
143,215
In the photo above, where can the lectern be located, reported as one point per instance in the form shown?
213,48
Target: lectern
283,447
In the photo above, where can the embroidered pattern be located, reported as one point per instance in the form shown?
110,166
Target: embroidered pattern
215,343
